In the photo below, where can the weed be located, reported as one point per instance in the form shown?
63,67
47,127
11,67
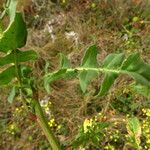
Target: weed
19,76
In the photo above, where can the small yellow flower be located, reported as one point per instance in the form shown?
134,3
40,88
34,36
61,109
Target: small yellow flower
63,1
87,123
59,127
93,5
17,109
148,141
116,123
100,114
12,127
117,131
52,120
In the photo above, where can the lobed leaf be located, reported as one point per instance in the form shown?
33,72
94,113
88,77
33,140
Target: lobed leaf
89,61
21,56
15,35
64,62
90,57
12,9
7,75
63,72
112,66
112,61
133,127
60,74
85,77
53,77
137,69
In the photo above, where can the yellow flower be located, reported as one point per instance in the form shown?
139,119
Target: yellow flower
63,1
12,127
52,120
148,141
93,5
87,123
17,109
59,127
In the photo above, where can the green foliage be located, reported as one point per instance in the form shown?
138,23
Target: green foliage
7,75
12,94
11,8
142,90
91,132
22,56
11,39
124,103
63,72
136,68
111,61
15,35
133,127
112,66
89,61
134,132
64,62
146,129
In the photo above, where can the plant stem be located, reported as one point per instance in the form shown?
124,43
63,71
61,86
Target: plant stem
41,119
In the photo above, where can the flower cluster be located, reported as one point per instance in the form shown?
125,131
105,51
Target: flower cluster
109,147
146,128
18,110
87,124
114,136
12,129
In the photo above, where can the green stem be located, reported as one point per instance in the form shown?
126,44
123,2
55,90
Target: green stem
41,119
91,69
18,74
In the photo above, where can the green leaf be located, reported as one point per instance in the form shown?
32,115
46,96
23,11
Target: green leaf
112,61
60,74
64,72
137,69
12,95
64,62
102,125
89,61
15,35
52,77
134,130
107,83
133,127
7,75
25,71
21,56
143,90
90,57
24,56
85,77
12,9
112,66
